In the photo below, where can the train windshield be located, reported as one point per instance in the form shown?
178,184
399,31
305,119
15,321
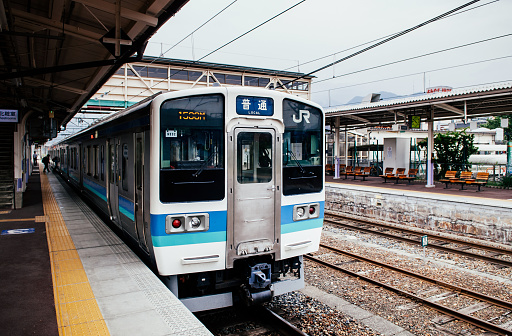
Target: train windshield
302,148
192,149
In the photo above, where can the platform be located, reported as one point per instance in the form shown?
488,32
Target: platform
481,214
71,275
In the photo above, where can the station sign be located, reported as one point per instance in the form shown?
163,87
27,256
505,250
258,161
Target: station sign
17,231
259,106
8,115
424,241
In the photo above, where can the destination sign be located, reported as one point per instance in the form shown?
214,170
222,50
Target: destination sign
261,106
192,115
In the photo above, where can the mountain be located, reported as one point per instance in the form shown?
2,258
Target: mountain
383,96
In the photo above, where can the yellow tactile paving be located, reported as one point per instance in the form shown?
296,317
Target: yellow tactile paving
77,310
17,220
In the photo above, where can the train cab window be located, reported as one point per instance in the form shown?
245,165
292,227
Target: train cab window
254,157
192,149
302,148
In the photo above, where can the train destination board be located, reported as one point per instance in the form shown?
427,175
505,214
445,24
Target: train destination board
261,106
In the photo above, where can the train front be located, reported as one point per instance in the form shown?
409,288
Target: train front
237,193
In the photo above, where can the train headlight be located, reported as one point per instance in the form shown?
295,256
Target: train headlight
300,212
179,223
195,222
306,211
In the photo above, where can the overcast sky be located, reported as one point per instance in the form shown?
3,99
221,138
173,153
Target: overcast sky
318,28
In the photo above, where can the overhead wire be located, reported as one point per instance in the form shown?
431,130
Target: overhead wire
415,73
224,45
381,38
415,57
397,35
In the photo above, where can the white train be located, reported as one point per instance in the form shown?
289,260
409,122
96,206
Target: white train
222,188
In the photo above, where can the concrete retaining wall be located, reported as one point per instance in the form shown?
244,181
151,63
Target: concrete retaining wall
485,219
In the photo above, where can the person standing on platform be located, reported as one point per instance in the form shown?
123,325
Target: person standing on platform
35,158
46,161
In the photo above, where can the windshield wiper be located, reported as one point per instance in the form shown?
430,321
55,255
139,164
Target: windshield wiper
294,158
203,166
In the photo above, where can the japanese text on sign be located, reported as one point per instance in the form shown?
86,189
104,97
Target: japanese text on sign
262,106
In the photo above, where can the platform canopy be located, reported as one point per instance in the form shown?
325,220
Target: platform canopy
55,54
446,104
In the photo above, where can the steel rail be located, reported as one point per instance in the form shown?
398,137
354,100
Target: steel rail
447,311
465,291
431,245
285,327
433,235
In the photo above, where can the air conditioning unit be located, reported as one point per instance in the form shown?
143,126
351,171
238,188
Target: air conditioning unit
399,127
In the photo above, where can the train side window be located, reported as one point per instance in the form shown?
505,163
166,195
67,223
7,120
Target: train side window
124,167
95,166
102,163
87,160
112,164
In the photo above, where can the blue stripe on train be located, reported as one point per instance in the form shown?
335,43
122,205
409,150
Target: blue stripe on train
218,231
96,189
126,207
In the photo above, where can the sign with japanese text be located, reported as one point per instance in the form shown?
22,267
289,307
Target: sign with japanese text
8,115
261,106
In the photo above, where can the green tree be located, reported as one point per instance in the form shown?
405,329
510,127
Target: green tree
495,122
452,150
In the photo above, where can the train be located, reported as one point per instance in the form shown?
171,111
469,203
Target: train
221,188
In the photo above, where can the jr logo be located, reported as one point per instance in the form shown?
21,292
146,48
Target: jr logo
302,114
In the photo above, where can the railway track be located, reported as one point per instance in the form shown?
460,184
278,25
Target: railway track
481,301
494,255
257,320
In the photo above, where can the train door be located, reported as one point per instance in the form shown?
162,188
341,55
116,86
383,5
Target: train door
113,181
139,190
254,191
81,164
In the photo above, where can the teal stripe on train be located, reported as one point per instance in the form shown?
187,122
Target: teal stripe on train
96,189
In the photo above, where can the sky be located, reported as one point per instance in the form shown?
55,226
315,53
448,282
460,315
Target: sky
329,30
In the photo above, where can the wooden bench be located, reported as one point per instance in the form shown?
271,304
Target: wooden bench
449,177
463,178
411,175
354,172
365,172
329,169
387,171
481,180
396,176
348,171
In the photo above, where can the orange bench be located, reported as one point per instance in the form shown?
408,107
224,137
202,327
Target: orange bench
449,177
396,176
463,178
481,179
365,172
411,175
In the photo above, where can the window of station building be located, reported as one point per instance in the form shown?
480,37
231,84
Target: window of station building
263,82
250,81
220,77
195,75
120,71
234,79
141,70
178,74
157,72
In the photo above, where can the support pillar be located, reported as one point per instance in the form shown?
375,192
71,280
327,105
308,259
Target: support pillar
430,151
336,154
